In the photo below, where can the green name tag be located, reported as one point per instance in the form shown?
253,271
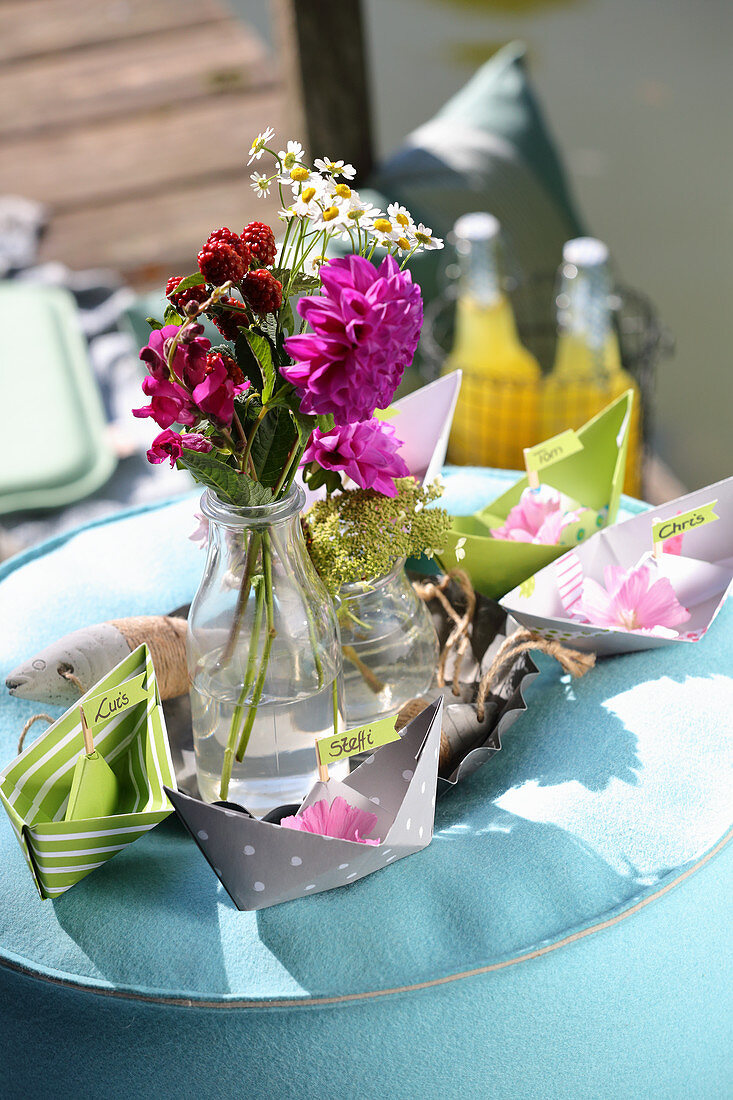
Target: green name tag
552,450
100,708
362,739
663,529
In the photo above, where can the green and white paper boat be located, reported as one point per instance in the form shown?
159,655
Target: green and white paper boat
593,477
35,787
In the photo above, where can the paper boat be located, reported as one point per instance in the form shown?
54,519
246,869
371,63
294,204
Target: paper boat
262,864
593,477
422,420
701,576
35,788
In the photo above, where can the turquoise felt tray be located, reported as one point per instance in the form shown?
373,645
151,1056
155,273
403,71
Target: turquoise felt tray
55,447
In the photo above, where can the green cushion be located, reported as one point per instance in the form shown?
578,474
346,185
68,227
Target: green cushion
489,149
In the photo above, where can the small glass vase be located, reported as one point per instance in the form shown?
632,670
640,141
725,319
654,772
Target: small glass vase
264,658
389,645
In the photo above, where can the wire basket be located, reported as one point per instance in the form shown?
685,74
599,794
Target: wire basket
642,341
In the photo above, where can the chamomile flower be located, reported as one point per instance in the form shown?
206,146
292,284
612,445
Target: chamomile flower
384,231
335,168
360,215
401,217
298,176
331,217
311,199
260,184
423,236
257,147
289,157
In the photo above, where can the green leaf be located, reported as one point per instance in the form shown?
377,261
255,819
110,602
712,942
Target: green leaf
287,321
272,444
229,484
305,284
172,316
315,477
154,323
262,351
196,279
326,422
304,424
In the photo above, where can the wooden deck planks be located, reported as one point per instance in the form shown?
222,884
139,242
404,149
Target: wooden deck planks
130,121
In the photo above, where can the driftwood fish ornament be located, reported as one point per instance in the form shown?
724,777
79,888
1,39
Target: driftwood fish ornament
72,665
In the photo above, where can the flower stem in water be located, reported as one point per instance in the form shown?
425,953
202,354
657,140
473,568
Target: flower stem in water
264,660
226,771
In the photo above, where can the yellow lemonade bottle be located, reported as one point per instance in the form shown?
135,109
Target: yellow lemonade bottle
587,373
498,407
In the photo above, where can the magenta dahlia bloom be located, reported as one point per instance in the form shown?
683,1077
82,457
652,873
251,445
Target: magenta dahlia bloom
366,452
214,395
171,445
169,404
189,360
366,326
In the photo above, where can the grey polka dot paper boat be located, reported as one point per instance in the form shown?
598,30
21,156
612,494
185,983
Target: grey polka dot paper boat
262,864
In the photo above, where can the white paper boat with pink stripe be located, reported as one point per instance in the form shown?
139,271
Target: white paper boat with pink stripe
700,571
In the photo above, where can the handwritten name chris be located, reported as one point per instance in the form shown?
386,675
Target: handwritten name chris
678,526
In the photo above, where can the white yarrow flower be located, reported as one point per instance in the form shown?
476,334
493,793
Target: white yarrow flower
258,145
335,168
260,184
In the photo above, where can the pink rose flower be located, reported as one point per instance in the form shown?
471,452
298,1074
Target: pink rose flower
632,600
366,452
339,819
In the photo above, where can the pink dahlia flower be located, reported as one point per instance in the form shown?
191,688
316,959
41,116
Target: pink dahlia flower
632,600
366,452
189,359
366,326
169,404
171,445
538,518
339,819
214,395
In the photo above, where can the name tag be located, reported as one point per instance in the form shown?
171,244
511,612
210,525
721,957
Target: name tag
361,739
663,529
100,708
552,450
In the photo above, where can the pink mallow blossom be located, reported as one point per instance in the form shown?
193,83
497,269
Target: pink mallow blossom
366,452
365,328
632,600
338,820
538,517
189,358
171,445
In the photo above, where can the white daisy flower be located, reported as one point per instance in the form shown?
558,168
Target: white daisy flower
335,168
401,216
385,232
359,215
331,217
260,184
257,147
299,176
311,199
423,236
289,157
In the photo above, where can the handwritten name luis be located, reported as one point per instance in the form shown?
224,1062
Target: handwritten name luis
111,704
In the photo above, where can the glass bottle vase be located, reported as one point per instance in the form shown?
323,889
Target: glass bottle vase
264,658
389,644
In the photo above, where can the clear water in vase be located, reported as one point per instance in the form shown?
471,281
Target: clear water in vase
279,765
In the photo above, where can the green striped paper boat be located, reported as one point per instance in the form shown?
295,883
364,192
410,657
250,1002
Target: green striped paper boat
35,787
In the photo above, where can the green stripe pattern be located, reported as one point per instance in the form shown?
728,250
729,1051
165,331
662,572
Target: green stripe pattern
34,788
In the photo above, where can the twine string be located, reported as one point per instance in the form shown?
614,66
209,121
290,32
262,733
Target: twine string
522,641
27,726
